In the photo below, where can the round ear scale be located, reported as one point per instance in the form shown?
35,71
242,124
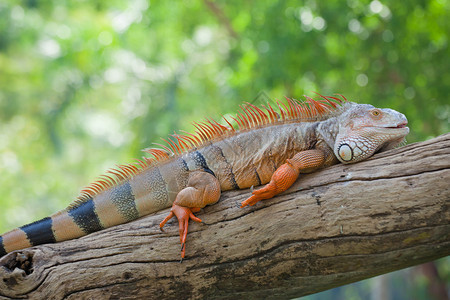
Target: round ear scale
345,152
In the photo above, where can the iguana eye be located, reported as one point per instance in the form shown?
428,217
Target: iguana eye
376,113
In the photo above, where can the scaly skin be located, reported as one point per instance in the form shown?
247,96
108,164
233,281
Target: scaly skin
265,150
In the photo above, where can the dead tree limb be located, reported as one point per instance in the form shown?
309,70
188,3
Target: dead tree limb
333,227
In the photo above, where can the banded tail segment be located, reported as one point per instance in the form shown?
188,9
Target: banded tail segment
64,225
127,201
110,208
2,248
36,233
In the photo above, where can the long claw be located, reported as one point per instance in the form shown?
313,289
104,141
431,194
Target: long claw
194,218
183,215
252,200
266,192
161,225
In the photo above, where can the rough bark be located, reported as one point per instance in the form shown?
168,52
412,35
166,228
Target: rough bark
336,226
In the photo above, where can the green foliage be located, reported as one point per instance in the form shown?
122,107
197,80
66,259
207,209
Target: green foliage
87,84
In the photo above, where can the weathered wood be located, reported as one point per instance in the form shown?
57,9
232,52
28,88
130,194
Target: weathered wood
333,227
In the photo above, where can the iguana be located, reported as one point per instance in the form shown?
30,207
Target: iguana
190,171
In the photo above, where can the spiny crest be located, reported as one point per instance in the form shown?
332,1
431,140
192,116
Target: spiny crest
249,117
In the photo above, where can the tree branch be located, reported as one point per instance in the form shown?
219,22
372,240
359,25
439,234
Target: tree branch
336,226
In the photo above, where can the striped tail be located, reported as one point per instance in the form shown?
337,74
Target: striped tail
67,224
118,204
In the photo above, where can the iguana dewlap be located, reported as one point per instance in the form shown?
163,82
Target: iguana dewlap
267,146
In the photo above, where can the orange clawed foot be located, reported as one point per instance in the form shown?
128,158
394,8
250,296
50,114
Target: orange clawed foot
183,215
287,174
281,180
266,192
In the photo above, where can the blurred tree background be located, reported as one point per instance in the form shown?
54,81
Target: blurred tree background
87,84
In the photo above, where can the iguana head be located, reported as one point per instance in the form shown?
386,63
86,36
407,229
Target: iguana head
365,129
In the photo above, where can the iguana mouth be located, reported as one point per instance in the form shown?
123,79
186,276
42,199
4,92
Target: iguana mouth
401,125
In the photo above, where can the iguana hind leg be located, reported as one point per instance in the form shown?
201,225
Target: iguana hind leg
287,174
202,189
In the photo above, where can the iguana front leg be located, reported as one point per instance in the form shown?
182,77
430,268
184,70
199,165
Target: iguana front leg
287,174
202,189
